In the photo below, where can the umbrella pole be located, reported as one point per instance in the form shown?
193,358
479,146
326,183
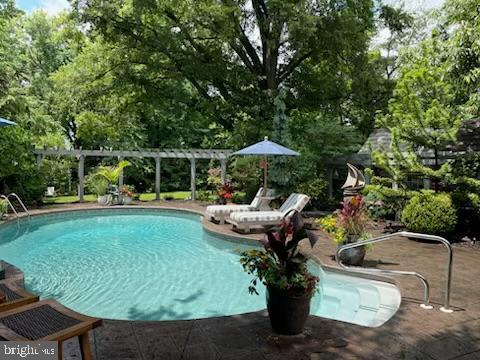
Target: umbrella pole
265,175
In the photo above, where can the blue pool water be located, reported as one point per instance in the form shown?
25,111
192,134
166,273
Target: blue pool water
149,265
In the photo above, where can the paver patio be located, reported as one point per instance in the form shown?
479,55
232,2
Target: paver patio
413,333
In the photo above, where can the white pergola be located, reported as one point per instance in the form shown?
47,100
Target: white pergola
192,154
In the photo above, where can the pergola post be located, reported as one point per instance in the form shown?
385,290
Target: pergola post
427,184
223,170
157,178
120,176
39,160
193,178
81,177
330,182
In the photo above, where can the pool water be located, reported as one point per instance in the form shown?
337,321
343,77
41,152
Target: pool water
158,265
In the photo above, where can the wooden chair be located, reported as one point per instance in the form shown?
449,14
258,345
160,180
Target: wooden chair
15,296
47,320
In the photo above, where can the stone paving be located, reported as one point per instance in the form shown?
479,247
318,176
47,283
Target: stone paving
413,333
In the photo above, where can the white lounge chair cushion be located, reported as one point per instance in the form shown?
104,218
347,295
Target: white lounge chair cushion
223,210
227,209
294,201
256,216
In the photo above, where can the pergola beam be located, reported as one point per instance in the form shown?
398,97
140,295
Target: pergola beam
163,154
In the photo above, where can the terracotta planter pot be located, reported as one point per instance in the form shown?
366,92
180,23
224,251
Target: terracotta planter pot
288,310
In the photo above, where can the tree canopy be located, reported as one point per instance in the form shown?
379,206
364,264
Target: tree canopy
162,73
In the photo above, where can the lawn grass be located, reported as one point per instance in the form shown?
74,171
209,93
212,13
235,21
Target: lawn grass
176,195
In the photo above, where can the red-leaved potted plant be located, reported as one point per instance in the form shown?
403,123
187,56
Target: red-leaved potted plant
225,193
347,226
282,268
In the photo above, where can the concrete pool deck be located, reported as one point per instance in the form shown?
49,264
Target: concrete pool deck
413,333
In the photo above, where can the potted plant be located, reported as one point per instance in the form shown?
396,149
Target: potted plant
127,193
3,207
111,174
99,187
225,193
283,270
348,226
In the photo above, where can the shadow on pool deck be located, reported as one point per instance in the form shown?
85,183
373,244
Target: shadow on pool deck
413,333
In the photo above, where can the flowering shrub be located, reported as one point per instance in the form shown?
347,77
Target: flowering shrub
329,224
280,264
127,190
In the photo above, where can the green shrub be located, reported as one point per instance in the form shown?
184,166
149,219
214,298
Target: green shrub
238,198
3,207
383,202
316,189
246,174
204,195
430,213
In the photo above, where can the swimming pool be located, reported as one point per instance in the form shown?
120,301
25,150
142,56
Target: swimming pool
143,264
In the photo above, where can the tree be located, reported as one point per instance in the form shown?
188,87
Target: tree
235,55
423,118
31,48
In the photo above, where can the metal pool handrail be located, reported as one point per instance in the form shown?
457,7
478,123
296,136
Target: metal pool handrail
10,205
426,304
24,208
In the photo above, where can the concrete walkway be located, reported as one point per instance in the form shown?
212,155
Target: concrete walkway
413,333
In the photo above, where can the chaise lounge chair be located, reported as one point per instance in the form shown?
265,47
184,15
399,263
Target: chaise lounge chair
15,296
244,221
218,213
47,320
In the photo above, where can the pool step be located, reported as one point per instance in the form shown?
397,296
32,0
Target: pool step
357,300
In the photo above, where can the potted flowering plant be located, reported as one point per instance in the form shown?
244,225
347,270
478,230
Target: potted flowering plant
348,226
225,192
283,270
127,192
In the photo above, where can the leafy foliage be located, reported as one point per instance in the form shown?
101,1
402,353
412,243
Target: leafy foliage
191,74
316,189
96,184
112,173
430,213
385,203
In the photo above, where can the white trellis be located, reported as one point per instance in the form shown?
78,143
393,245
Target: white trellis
191,154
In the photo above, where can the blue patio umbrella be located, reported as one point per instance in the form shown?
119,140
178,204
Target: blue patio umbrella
265,148
5,122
